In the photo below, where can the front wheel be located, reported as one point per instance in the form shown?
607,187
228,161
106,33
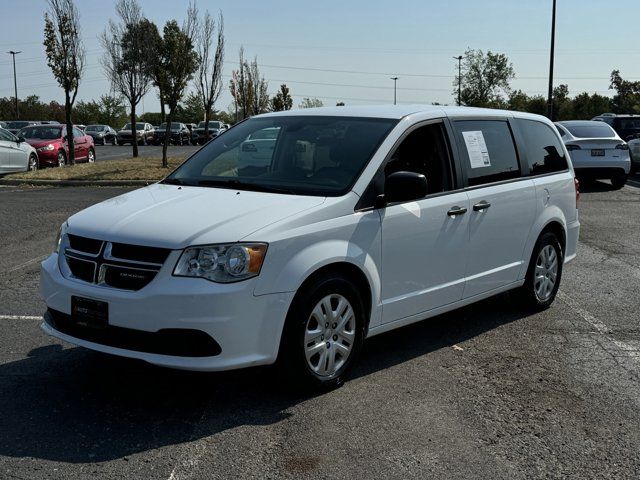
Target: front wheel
544,273
91,156
114,142
33,163
62,159
323,332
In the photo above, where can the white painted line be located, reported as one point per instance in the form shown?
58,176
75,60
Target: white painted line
26,264
20,317
600,327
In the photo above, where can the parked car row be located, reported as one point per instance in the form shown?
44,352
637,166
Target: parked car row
42,145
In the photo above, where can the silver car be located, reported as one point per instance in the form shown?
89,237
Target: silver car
16,155
597,152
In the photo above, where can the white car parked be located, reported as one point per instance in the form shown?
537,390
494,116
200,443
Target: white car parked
16,155
596,151
387,216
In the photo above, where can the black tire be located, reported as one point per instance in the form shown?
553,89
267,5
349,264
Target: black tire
114,142
619,181
33,163
528,292
292,358
62,158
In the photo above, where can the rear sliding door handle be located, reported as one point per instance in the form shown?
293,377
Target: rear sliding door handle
483,205
456,211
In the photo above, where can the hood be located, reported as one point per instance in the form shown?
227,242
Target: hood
38,142
175,217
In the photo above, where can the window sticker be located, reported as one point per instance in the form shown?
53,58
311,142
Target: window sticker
477,149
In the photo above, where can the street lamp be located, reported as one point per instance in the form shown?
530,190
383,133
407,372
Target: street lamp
395,82
459,58
553,42
15,82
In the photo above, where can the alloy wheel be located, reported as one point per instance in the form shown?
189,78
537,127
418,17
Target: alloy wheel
546,273
329,335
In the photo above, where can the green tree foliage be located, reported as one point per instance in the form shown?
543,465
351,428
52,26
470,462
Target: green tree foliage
191,109
248,88
521,102
310,103
126,55
485,79
179,61
86,113
627,97
112,111
65,55
282,100
586,106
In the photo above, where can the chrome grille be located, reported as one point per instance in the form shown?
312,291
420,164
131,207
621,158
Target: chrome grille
115,265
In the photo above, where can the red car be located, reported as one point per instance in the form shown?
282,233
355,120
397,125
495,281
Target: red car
51,144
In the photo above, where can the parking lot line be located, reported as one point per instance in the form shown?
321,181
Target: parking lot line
26,264
629,350
20,317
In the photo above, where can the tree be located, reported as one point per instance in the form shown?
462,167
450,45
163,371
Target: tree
112,111
241,88
209,74
87,113
586,106
191,110
126,56
485,79
520,101
179,61
282,100
259,85
65,56
562,104
310,103
627,98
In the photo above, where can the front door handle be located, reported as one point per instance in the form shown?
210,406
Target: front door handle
456,211
483,205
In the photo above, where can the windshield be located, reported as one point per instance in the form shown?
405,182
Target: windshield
211,124
94,128
174,126
139,126
14,125
42,132
595,130
305,155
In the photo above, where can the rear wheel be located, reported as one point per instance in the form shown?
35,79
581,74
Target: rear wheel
323,332
544,273
33,162
619,181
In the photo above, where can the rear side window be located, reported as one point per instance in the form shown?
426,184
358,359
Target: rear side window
489,150
543,148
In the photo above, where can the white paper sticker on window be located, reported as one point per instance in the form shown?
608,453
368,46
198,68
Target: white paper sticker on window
477,149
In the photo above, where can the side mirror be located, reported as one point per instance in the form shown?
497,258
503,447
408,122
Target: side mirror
20,139
404,187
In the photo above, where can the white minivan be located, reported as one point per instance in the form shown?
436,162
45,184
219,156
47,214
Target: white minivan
363,220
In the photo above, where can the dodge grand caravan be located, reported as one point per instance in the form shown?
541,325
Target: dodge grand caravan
363,219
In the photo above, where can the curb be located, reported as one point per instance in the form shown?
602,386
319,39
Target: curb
78,183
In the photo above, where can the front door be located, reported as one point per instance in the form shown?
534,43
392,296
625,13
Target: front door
424,243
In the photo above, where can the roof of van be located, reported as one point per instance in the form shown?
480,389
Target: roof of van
398,111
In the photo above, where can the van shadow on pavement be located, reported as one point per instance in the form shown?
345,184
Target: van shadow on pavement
77,406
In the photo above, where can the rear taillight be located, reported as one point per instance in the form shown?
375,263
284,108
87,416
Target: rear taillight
577,185
573,147
622,146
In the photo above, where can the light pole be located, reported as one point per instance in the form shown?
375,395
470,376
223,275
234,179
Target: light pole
459,58
395,82
15,82
553,42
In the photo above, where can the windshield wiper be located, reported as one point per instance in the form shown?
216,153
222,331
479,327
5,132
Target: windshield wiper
173,181
240,185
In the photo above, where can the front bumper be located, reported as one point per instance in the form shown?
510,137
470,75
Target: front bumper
246,327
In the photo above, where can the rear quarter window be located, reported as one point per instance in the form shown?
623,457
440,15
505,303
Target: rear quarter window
489,154
542,148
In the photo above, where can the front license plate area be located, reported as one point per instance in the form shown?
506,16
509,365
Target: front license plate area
89,313
597,152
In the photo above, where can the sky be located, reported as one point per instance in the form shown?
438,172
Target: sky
347,50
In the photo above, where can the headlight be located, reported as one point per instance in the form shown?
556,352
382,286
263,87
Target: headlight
61,232
47,148
222,263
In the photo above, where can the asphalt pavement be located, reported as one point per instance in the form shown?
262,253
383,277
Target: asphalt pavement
487,391
110,152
